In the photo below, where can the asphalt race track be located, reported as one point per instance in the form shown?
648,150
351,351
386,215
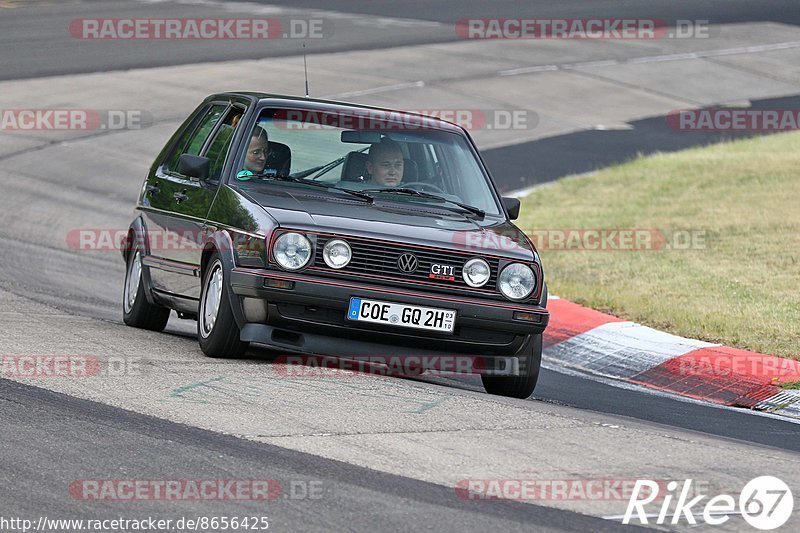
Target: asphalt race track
34,49
44,424
385,453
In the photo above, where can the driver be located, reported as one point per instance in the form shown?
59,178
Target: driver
256,157
385,163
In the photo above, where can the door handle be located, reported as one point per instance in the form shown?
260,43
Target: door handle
153,189
180,196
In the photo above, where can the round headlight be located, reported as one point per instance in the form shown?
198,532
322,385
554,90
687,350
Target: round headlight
516,281
292,251
476,272
337,253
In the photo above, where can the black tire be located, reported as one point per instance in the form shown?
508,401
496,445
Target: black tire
522,385
137,312
218,334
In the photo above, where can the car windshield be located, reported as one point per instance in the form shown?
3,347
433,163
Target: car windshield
392,157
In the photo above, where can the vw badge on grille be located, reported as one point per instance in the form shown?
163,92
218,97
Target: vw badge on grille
407,263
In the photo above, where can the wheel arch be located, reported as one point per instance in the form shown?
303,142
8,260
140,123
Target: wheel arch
220,242
137,236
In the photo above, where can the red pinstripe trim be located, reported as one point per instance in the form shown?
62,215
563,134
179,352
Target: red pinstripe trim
417,281
424,247
383,289
534,266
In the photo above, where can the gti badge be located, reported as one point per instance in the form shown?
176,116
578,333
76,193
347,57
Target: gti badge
445,272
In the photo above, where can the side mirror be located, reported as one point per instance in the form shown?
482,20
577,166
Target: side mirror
511,206
194,166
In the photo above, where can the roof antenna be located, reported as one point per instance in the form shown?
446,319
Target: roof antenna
305,67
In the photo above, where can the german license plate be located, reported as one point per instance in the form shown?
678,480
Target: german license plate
404,315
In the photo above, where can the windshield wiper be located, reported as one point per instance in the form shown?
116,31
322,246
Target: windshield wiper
322,169
319,184
413,192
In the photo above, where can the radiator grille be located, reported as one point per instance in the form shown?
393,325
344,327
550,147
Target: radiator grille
380,260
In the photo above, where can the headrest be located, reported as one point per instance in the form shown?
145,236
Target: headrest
354,166
279,159
410,170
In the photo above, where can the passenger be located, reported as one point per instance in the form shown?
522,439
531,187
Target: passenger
256,157
385,163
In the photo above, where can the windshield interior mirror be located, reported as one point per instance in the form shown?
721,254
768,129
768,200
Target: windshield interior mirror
361,137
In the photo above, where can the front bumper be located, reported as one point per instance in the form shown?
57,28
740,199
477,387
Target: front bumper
310,317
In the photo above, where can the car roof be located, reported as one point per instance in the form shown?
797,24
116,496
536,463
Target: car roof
331,106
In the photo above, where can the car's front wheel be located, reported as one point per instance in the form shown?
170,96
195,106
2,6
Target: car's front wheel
136,310
523,384
217,330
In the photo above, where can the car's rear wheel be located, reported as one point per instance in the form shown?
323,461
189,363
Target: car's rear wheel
217,330
523,384
136,310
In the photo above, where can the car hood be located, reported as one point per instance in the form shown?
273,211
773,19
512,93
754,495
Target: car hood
409,222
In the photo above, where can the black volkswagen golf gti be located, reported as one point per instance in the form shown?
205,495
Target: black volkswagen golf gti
331,229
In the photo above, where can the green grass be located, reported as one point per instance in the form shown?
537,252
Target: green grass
739,287
791,385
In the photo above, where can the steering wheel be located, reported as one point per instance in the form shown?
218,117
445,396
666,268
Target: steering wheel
422,185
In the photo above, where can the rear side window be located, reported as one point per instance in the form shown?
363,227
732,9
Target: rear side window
195,136
218,148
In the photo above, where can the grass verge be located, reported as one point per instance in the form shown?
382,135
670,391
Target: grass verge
729,268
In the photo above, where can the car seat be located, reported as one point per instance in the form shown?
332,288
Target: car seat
279,160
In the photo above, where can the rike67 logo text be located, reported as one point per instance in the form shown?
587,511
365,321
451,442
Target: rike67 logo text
765,503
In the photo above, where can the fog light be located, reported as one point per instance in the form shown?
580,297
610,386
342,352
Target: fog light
337,253
476,272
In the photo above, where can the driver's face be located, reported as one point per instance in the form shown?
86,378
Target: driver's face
256,158
387,169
